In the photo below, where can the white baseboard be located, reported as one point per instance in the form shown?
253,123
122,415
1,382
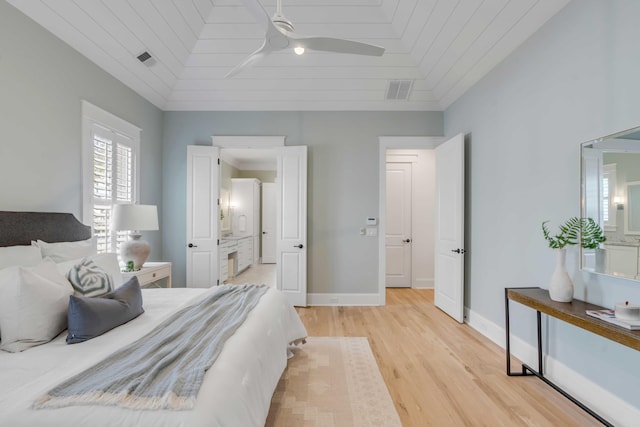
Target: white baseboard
603,402
343,299
422,284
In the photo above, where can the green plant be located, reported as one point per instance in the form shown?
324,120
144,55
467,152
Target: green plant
576,230
592,234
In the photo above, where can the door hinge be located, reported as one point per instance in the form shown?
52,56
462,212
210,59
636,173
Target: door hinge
217,282
218,202
218,242
218,160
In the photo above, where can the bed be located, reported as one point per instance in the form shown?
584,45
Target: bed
236,391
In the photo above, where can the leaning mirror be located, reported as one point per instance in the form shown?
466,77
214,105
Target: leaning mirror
611,196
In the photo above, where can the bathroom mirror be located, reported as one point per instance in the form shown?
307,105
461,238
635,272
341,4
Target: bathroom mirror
611,196
225,214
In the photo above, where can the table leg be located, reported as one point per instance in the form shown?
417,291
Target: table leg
524,371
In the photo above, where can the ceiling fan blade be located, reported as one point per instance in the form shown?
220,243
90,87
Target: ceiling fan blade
328,44
249,61
259,13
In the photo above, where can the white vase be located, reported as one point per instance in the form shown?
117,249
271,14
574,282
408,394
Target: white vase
561,286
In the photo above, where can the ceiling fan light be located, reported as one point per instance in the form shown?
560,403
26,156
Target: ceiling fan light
299,50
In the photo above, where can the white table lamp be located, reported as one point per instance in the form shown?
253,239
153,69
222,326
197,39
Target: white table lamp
135,218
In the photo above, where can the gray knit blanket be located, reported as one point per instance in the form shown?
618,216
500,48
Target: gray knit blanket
163,369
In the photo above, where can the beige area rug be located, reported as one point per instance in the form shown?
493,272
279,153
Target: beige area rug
332,382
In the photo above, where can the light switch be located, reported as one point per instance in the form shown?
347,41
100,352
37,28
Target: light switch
372,231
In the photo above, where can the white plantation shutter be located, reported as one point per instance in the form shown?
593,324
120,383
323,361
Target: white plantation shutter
111,171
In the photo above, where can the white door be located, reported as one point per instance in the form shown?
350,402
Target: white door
291,226
449,264
268,223
202,215
398,225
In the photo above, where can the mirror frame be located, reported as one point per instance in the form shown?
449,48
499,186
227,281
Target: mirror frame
583,200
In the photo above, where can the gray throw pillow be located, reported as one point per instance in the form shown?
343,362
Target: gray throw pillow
89,279
91,317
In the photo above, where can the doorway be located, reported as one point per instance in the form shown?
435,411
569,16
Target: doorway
247,180
206,257
406,148
448,212
409,237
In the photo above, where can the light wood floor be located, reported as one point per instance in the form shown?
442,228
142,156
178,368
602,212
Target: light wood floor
258,274
441,373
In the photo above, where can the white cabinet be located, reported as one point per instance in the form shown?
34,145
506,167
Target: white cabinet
235,253
226,247
245,202
622,260
151,274
245,253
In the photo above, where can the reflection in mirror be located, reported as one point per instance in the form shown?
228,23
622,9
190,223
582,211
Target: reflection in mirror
225,215
611,196
632,219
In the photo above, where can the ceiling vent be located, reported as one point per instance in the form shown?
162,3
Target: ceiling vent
399,89
146,58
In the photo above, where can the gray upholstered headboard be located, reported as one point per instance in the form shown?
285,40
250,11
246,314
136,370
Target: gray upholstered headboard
20,228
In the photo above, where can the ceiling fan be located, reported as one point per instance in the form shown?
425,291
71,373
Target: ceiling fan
279,34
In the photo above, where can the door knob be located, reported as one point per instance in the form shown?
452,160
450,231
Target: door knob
264,232
407,240
191,245
458,251
298,246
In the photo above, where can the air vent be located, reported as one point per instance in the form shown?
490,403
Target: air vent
399,89
146,58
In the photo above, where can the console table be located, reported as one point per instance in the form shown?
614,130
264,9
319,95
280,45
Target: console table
571,312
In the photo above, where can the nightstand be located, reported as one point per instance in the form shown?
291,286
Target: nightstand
150,274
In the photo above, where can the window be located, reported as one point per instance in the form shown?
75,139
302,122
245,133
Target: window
110,171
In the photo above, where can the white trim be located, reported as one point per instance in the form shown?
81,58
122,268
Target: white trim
420,283
248,141
602,401
402,158
93,115
343,299
393,142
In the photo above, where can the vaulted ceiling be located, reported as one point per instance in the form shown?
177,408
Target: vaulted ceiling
442,46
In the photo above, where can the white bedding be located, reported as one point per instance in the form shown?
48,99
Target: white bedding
236,391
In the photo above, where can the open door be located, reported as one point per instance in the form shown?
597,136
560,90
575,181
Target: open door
291,227
269,223
203,178
449,223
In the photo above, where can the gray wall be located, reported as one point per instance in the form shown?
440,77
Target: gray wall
342,186
574,80
42,81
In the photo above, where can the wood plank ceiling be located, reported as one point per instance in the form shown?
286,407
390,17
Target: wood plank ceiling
443,46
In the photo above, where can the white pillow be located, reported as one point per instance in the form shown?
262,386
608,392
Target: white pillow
89,279
107,261
33,305
19,255
65,251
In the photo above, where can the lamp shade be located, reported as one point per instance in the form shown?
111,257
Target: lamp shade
134,217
